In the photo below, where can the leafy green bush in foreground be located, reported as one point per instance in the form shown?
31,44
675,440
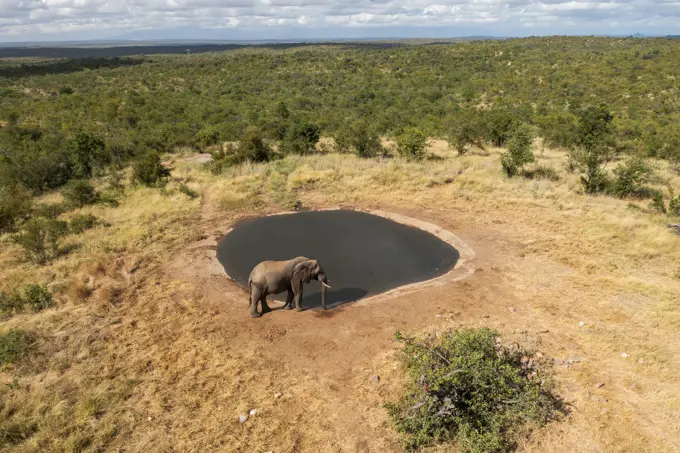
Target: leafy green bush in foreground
468,388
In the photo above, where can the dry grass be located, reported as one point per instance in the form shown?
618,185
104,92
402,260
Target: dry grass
138,356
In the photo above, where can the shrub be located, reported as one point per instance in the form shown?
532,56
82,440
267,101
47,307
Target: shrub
359,137
630,177
592,147
183,188
88,152
251,146
15,204
466,131
674,206
209,135
466,386
658,204
11,303
148,169
37,296
16,344
411,144
82,222
40,237
49,210
79,193
301,138
519,150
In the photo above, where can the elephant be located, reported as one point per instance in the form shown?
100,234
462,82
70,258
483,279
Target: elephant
274,277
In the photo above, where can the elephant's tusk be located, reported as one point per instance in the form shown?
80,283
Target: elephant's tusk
325,285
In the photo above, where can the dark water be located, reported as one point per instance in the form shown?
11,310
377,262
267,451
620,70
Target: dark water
362,254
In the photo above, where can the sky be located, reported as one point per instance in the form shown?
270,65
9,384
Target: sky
62,20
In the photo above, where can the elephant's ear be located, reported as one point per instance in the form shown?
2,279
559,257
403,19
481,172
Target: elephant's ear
302,273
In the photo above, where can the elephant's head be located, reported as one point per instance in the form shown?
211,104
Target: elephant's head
308,270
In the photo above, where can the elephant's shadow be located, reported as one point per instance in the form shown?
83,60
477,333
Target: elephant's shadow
334,298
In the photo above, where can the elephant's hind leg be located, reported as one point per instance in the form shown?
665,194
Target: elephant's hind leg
255,296
263,299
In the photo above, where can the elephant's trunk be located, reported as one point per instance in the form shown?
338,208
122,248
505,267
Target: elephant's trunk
324,284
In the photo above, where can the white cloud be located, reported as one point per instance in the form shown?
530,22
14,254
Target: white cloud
32,19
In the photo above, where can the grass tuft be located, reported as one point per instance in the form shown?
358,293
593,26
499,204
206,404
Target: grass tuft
16,344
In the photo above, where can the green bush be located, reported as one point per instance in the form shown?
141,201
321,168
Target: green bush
301,138
49,210
79,193
40,237
82,222
630,178
467,387
37,296
674,206
148,169
15,204
251,146
592,147
88,153
466,131
411,144
359,137
519,150
658,204
16,344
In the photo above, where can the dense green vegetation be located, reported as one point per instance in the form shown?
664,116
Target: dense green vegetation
466,386
597,96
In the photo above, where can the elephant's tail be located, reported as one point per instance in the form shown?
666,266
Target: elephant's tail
250,292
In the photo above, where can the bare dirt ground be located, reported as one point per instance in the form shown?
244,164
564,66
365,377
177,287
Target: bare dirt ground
173,359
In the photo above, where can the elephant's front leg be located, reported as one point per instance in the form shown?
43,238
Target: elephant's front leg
289,300
298,300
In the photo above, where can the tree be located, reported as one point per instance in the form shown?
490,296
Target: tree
411,144
519,150
40,237
465,131
252,147
360,138
87,153
301,138
593,146
79,193
148,169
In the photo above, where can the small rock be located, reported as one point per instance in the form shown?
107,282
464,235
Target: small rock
242,418
512,309
374,379
641,361
438,316
599,385
253,412
624,355
278,395
581,324
149,419
575,359
485,316
603,411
